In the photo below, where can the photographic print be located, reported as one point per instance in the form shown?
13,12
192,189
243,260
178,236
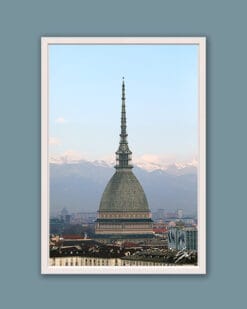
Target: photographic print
123,155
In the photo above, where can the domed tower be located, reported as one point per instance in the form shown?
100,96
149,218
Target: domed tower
123,211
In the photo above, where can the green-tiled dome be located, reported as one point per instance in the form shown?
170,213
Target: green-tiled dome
123,193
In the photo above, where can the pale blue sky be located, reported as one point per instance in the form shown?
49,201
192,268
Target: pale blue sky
161,99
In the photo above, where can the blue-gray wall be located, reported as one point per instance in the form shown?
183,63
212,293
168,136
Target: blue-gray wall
22,23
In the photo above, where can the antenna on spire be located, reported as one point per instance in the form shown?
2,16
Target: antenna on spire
123,90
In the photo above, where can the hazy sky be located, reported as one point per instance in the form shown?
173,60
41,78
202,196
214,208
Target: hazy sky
161,99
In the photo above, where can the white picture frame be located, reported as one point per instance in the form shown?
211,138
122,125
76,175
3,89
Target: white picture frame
161,270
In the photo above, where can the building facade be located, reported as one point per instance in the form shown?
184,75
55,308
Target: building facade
92,261
123,211
180,238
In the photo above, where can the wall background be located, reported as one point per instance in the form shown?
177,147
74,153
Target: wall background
22,23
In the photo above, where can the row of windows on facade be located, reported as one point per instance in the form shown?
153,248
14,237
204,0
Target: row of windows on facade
124,215
100,262
125,226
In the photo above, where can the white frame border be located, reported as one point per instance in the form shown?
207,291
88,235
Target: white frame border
159,270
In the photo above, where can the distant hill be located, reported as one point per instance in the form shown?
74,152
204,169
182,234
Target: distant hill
79,186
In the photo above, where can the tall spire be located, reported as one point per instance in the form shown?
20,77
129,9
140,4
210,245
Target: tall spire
123,154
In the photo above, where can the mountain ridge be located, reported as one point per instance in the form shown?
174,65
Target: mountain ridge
171,168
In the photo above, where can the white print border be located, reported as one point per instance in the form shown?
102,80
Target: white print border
45,214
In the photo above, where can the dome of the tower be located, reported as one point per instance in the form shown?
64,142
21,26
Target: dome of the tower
123,193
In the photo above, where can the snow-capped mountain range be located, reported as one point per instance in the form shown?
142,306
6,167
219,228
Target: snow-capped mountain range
146,162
